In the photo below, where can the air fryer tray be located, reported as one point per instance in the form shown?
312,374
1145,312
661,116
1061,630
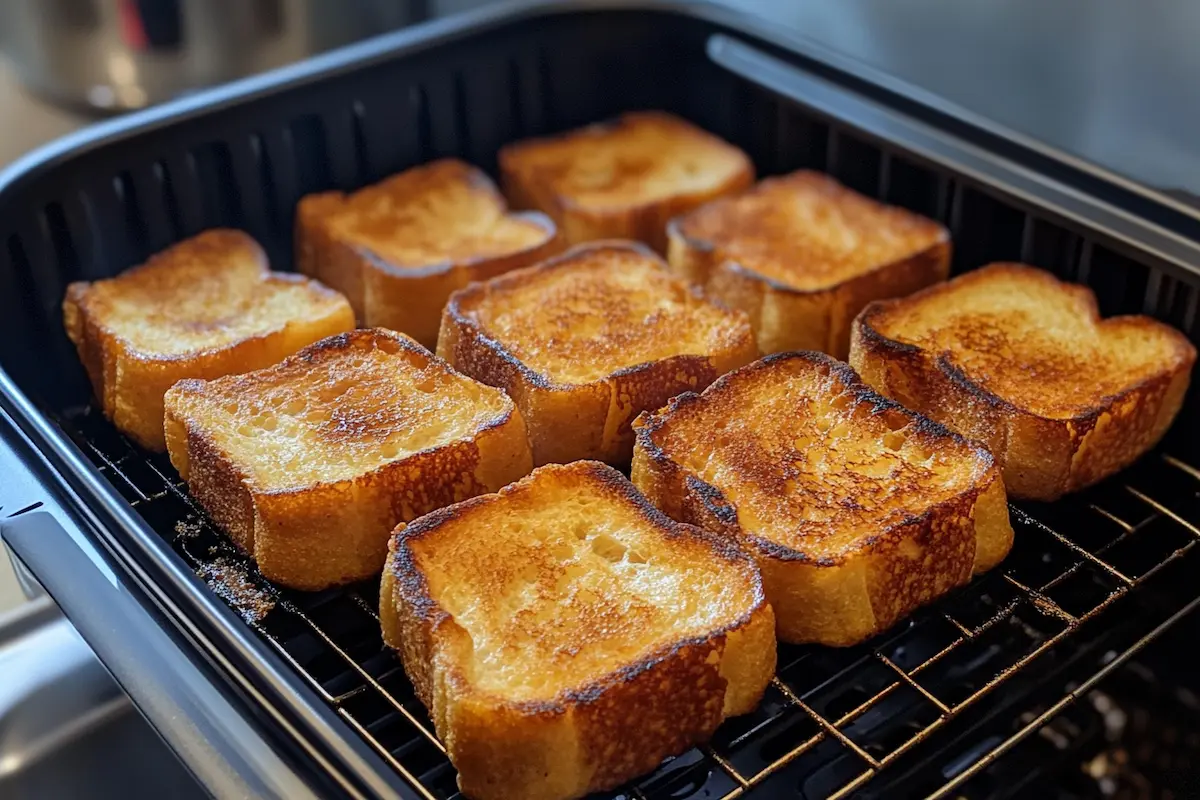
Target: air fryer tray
1091,579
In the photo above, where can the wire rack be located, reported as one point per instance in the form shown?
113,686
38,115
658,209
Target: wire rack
832,719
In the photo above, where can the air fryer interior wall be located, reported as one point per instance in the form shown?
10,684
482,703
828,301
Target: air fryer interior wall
1085,577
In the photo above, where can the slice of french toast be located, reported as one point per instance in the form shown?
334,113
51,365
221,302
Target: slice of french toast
1011,356
802,255
585,342
203,308
857,509
310,464
624,178
567,637
397,249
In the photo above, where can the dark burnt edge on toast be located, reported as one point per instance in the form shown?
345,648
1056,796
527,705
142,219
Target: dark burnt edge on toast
328,348
914,356
563,260
714,500
410,581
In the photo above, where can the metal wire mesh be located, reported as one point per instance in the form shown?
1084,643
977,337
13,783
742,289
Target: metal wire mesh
831,720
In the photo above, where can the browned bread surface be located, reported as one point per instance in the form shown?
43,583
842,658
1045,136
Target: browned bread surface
203,308
802,255
311,463
397,249
566,636
585,342
1021,361
857,510
623,179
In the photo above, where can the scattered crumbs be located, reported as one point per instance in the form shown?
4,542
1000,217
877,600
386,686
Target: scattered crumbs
76,412
231,581
188,528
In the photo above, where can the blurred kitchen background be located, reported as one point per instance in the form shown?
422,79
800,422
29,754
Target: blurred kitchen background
67,61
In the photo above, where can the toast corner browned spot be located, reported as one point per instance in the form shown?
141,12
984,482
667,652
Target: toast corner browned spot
524,620
586,341
1012,356
857,509
802,254
205,307
398,248
309,464
624,178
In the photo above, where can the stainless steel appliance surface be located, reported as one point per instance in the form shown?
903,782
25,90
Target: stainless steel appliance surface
1106,81
66,728
303,700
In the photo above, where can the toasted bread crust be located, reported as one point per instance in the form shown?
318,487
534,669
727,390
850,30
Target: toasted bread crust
795,274
341,239
843,595
1045,450
567,420
130,379
332,532
556,174
578,741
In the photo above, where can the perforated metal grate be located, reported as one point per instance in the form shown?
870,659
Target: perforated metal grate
831,720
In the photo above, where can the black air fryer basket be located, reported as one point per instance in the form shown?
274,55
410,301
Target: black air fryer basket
929,708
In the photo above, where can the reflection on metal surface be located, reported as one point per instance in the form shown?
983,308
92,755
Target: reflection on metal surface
1107,80
66,729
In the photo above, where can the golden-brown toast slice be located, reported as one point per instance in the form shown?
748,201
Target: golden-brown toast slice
566,636
857,509
310,464
399,248
203,308
587,341
623,179
1021,361
802,255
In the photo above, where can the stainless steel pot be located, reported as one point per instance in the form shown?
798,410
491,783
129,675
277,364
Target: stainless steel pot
123,54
